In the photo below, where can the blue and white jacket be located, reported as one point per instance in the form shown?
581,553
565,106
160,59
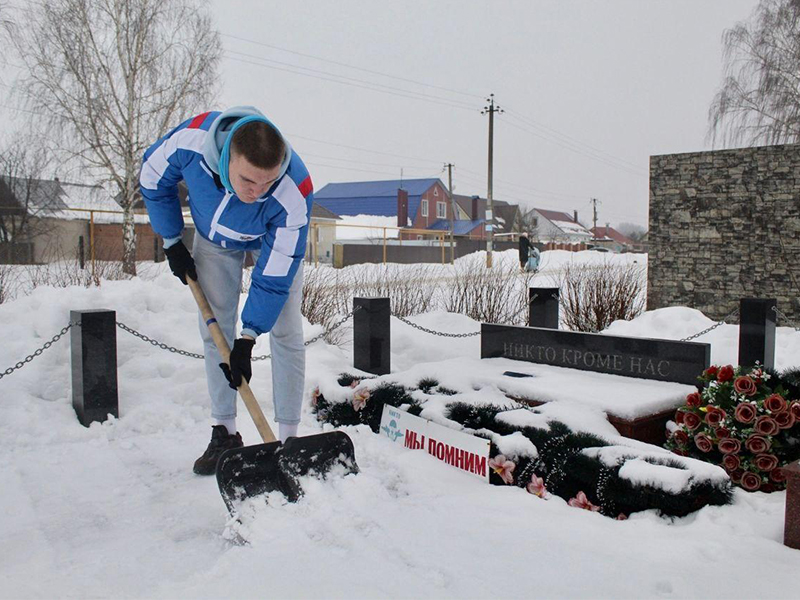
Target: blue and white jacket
277,223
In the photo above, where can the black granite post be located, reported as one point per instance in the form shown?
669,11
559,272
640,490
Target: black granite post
371,339
94,365
543,308
757,332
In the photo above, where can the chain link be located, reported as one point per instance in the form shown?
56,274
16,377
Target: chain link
463,335
156,343
786,319
712,328
163,346
338,324
440,333
39,351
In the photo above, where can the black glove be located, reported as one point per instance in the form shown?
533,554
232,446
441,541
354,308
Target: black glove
240,363
181,262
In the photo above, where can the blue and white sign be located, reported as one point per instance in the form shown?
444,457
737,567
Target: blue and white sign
455,448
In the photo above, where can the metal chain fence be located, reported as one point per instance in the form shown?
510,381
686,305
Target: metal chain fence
439,333
463,335
38,351
712,328
155,343
163,346
785,319
335,326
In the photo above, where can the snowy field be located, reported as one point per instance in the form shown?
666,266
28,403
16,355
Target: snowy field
115,511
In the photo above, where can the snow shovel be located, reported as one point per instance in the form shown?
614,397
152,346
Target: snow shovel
254,470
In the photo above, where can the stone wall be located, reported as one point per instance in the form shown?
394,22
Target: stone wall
725,225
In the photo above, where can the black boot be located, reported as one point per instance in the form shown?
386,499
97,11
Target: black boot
221,441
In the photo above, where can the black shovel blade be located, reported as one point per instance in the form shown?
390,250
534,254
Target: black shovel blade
314,455
249,471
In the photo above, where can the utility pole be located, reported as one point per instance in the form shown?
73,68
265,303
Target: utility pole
491,109
449,167
594,206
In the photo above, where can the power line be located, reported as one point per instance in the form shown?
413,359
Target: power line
294,135
577,150
570,139
363,162
530,197
394,174
390,90
527,188
328,74
341,64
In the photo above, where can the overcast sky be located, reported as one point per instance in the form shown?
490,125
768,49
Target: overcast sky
591,89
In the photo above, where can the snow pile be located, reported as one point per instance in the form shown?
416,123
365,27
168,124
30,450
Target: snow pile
363,227
678,322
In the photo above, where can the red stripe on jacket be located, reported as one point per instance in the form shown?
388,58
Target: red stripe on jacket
306,187
198,121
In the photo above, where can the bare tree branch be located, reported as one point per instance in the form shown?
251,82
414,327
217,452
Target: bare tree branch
111,76
759,99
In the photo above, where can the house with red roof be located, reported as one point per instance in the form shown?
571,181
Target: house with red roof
556,226
608,237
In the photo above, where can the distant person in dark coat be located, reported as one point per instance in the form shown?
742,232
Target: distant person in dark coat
524,249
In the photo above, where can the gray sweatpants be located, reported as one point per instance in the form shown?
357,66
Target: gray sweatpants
219,271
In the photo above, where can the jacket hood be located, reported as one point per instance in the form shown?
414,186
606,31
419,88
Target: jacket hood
220,130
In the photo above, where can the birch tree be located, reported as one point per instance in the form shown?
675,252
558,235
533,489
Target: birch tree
759,99
109,77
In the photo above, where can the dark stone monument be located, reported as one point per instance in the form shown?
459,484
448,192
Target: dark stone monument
94,365
791,523
543,307
757,320
664,360
371,341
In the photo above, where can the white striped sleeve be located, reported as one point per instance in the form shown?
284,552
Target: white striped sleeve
284,249
157,163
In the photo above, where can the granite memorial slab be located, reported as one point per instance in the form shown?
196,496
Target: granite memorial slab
663,360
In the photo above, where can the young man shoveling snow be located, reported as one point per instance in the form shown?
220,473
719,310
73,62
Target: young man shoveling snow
248,191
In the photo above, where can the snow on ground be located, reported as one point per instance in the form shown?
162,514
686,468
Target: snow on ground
114,510
361,227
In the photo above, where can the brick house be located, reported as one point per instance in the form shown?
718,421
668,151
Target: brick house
414,203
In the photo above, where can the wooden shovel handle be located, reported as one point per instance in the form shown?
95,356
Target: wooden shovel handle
224,350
